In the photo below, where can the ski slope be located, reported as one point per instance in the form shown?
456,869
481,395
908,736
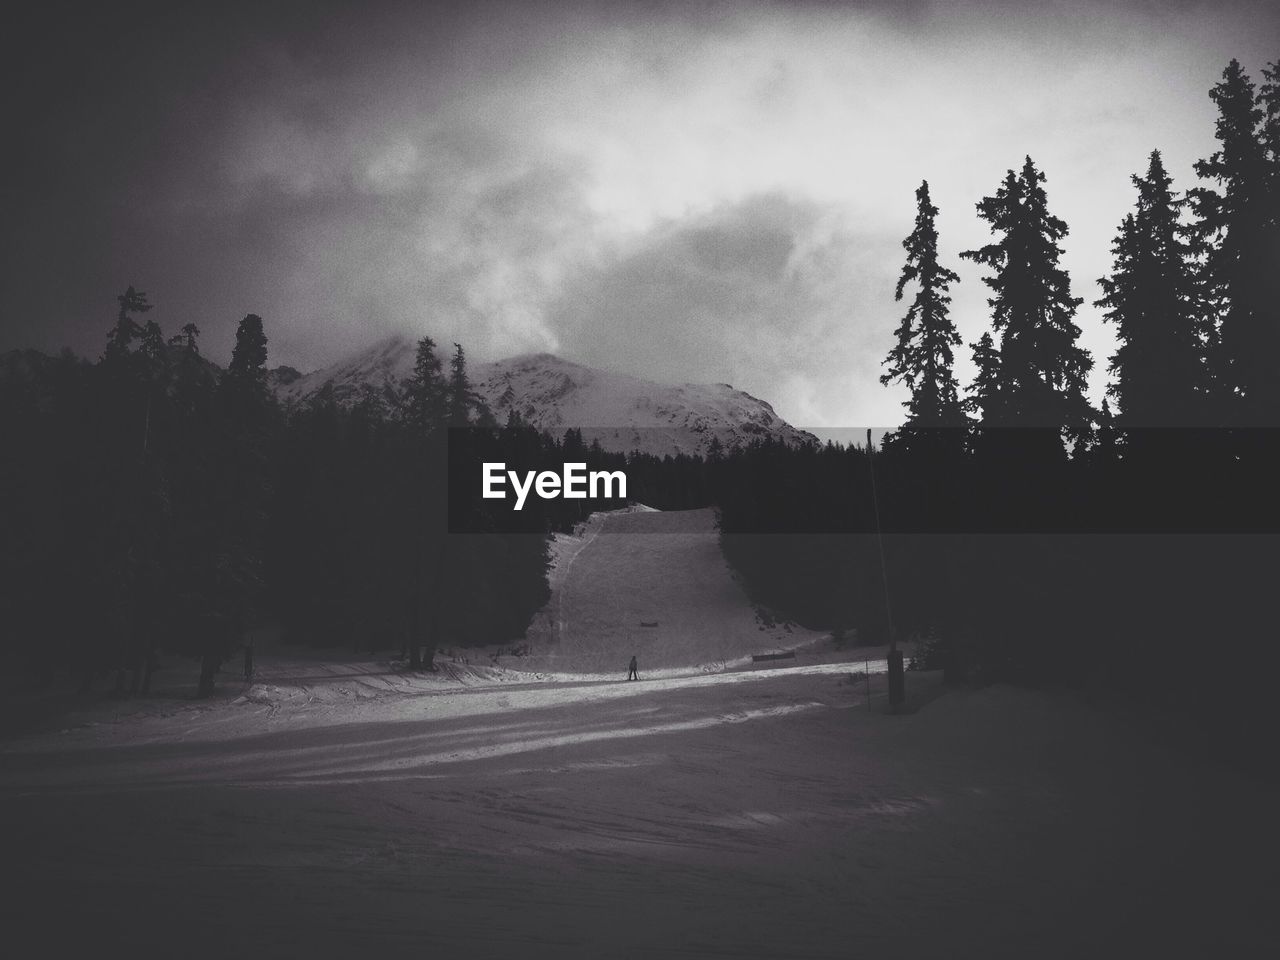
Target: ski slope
654,585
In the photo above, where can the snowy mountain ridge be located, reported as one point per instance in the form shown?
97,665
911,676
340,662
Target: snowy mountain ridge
622,412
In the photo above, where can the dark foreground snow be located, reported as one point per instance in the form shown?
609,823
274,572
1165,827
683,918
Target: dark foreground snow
777,817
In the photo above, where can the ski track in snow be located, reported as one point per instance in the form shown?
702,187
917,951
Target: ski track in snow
593,525
764,817
304,741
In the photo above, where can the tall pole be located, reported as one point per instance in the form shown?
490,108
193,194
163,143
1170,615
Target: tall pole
897,679
884,567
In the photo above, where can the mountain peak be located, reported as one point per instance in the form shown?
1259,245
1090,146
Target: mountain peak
622,412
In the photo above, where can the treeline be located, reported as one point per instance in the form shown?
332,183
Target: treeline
154,503
1018,519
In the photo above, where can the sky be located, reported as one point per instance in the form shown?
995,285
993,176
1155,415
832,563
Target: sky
702,192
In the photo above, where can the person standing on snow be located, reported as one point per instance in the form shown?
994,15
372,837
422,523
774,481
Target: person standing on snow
632,673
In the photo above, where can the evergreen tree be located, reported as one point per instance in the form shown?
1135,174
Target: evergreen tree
121,336
420,489
1269,102
132,513
1158,368
1236,230
461,399
423,398
1106,446
248,368
187,339
151,342
984,393
234,580
922,357
194,379
1040,368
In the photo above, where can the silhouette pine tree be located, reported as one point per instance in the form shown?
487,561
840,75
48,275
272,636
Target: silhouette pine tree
121,336
1158,368
463,401
1236,231
248,368
1037,364
984,392
922,356
423,397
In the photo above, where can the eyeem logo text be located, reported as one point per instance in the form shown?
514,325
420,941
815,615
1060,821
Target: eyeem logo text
574,483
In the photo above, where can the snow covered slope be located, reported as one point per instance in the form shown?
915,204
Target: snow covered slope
653,584
378,366
627,413
624,413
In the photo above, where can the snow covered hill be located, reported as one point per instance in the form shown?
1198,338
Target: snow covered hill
653,584
378,366
624,413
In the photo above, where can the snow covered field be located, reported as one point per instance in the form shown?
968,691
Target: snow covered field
537,805
746,815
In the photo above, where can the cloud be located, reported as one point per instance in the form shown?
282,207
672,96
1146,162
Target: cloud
686,192
769,293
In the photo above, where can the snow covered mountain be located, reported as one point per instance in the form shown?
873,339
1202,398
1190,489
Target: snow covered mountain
627,413
380,365
624,413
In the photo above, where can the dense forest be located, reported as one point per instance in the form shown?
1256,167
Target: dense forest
155,503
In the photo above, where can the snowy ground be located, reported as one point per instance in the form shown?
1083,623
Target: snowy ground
768,814
538,805
654,584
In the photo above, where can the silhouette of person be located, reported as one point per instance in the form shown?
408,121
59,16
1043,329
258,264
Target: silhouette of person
248,660
632,673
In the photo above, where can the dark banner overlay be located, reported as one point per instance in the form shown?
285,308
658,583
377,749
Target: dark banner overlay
946,481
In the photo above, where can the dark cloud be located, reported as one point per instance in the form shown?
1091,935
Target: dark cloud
686,191
764,294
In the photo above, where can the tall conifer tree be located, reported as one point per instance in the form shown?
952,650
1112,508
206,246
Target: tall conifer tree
419,488
1158,368
248,367
187,339
460,399
984,393
121,336
241,497
1236,231
424,396
1038,366
922,357
1269,102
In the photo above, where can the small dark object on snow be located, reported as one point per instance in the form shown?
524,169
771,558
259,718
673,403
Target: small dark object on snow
648,623
633,673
